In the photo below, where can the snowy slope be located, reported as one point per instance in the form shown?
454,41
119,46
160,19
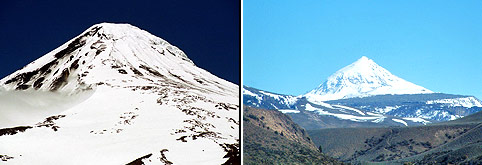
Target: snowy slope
325,115
129,96
267,100
467,102
362,78
433,106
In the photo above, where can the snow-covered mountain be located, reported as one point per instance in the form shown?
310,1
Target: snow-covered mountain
117,94
364,94
360,79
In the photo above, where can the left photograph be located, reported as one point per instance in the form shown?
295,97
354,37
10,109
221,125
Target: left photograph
120,83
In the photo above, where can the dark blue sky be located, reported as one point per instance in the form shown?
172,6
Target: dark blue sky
207,31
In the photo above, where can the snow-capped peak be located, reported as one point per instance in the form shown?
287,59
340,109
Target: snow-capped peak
116,31
362,78
113,55
115,87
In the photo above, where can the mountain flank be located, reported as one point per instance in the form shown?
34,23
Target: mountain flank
118,90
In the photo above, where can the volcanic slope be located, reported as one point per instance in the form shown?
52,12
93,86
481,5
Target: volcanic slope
129,97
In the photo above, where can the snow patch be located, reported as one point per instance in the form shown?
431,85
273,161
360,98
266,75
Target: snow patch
467,102
374,114
418,120
249,93
400,121
288,111
350,108
386,109
308,107
379,120
285,100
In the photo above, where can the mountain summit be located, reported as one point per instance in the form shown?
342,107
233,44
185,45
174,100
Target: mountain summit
117,90
362,78
110,54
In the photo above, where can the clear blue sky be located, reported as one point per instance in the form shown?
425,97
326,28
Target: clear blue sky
291,47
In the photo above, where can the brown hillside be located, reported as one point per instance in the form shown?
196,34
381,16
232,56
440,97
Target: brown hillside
270,137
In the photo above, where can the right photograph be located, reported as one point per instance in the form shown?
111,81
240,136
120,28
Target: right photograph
362,82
